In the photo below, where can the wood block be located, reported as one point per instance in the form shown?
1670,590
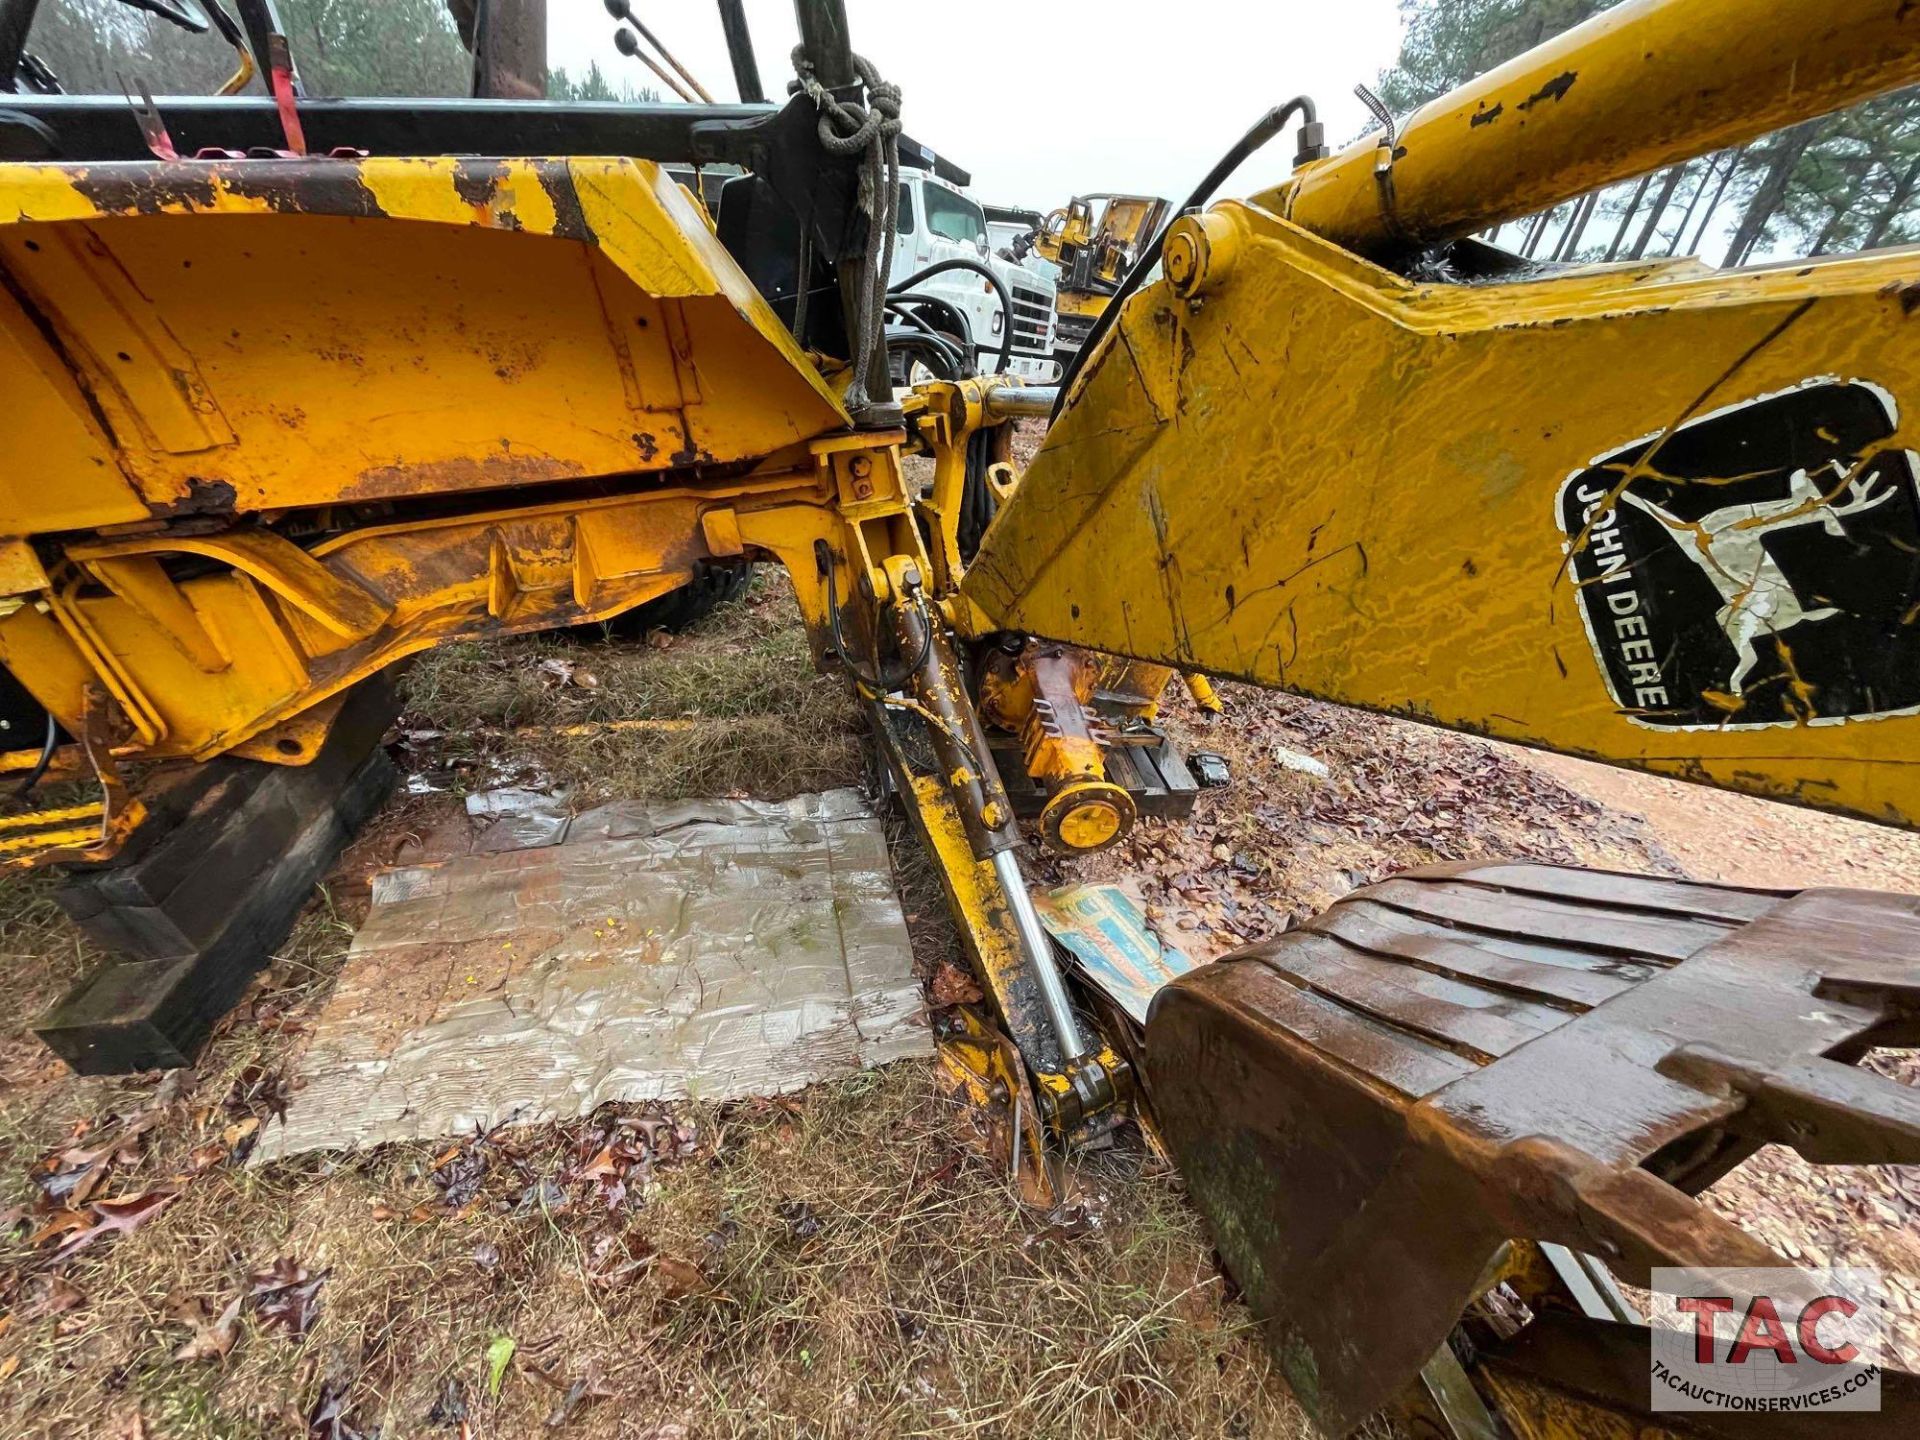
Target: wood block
147,1014
225,887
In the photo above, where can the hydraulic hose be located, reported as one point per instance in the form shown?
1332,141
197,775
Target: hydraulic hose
936,342
1268,126
999,289
25,788
882,682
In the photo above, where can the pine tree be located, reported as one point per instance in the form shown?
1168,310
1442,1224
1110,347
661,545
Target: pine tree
342,47
1842,182
1448,42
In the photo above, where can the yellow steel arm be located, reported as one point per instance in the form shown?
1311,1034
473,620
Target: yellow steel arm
1652,514
1644,84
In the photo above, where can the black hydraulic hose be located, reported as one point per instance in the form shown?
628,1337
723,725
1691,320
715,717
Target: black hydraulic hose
1006,301
25,787
916,304
956,362
1268,126
882,683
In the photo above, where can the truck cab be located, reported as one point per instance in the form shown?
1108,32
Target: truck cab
939,221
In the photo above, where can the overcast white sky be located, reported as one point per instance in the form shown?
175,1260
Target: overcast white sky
1042,101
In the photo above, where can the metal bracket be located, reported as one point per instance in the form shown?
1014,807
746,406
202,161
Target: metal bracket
1385,153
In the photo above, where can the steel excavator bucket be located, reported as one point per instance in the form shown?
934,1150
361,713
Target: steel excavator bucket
1369,1108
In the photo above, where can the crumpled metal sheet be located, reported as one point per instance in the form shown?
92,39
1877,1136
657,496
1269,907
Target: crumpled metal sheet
711,948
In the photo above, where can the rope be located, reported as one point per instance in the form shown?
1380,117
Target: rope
849,128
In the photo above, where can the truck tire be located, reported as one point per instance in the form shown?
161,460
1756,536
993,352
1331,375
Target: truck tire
714,583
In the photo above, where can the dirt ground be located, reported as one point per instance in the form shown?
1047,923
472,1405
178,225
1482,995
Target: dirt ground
1737,840
835,1263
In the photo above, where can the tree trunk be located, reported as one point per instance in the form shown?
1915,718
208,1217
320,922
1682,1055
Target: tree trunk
1847,204
1896,202
1626,219
1668,184
1576,226
1830,231
1686,216
1771,190
1534,234
1713,205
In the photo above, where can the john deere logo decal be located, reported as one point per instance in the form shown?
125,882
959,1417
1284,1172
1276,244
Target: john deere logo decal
1758,566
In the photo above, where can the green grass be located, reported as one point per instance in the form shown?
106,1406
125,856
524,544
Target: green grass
769,723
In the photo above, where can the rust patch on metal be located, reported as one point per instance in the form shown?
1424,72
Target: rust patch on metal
477,182
569,219
309,187
142,188
203,497
1554,89
294,187
458,473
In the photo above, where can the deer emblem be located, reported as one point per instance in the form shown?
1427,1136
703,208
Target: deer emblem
1728,545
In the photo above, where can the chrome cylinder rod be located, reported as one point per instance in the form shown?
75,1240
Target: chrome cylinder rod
1010,402
1039,947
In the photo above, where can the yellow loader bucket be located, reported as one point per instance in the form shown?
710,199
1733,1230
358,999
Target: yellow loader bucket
232,336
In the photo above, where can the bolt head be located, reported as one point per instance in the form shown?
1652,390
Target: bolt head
1182,258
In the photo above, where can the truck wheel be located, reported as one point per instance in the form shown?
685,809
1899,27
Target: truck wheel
714,583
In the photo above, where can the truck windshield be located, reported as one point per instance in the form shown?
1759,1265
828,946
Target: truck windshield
953,216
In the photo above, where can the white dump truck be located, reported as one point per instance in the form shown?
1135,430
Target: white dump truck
939,221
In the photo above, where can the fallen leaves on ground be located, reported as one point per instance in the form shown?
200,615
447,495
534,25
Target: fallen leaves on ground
67,1177
680,1278
257,1092
614,1257
499,1356
104,1217
574,1394
51,1295
329,1420
1281,842
802,1223
952,985
450,1405
214,1335
287,1294
605,1161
